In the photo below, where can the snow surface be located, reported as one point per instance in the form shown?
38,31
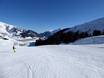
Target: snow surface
91,40
6,45
57,61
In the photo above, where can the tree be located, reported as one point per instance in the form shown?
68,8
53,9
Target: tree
96,33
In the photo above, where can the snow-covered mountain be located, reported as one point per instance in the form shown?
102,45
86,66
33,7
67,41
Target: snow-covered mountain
89,27
49,33
45,34
12,31
5,28
67,35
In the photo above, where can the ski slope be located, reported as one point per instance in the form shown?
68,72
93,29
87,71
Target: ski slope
6,45
90,40
57,61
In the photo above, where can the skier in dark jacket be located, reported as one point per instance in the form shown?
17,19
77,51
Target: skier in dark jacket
14,49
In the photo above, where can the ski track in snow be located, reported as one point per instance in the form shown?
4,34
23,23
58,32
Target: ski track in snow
63,61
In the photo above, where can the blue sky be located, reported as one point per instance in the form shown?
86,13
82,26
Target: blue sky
42,15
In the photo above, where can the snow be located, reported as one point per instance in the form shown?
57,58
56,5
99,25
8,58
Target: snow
57,61
5,27
6,45
91,40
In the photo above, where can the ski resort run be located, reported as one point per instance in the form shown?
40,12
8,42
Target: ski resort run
57,61
90,40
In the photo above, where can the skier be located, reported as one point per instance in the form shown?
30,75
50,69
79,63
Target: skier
14,49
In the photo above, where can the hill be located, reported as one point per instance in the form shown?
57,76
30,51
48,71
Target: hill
68,35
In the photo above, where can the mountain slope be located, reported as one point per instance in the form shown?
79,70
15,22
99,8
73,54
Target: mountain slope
68,35
5,28
89,26
12,31
50,33
90,40
63,61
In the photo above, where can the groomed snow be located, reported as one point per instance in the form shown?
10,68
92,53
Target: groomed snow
57,61
6,45
90,40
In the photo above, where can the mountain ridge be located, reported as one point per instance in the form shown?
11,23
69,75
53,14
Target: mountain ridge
89,27
97,24
67,35
13,31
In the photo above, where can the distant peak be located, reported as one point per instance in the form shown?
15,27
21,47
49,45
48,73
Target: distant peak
2,23
6,24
